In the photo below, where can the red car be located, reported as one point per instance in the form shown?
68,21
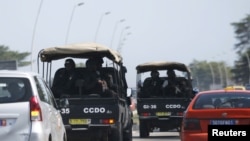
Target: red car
215,107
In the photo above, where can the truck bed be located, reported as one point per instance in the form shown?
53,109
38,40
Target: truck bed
84,113
161,107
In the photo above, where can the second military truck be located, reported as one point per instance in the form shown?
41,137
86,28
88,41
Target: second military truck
161,102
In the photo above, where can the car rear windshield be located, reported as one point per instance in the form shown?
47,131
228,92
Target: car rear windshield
222,100
14,89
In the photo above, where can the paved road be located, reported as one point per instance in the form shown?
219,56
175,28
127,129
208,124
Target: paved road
157,136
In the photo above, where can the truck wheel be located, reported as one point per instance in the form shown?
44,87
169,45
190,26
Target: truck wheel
127,134
117,133
143,129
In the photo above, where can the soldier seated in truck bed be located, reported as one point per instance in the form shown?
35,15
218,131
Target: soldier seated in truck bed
94,81
64,79
152,86
175,86
86,81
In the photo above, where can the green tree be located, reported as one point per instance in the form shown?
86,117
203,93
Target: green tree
241,70
201,74
210,75
242,31
7,54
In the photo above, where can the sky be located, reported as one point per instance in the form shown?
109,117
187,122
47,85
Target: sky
152,30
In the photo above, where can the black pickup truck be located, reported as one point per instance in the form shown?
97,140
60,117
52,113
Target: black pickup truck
160,110
99,118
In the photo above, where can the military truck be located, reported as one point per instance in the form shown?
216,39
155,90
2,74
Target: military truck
160,110
98,117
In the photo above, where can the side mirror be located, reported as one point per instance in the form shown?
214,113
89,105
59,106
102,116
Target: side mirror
195,91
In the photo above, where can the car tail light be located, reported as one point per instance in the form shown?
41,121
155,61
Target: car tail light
107,121
191,124
145,114
179,114
35,110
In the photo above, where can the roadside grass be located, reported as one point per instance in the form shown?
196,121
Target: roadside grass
135,117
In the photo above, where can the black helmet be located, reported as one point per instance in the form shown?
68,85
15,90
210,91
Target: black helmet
70,61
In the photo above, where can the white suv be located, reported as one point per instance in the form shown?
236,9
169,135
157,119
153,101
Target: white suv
28,111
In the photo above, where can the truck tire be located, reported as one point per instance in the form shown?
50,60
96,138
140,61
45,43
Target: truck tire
144,132
117,133
127,135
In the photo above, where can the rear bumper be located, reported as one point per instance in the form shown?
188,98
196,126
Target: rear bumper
186,136
38,137
159,118
89,127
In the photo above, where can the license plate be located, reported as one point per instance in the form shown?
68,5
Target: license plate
163,113
222,122
79,121
3,122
